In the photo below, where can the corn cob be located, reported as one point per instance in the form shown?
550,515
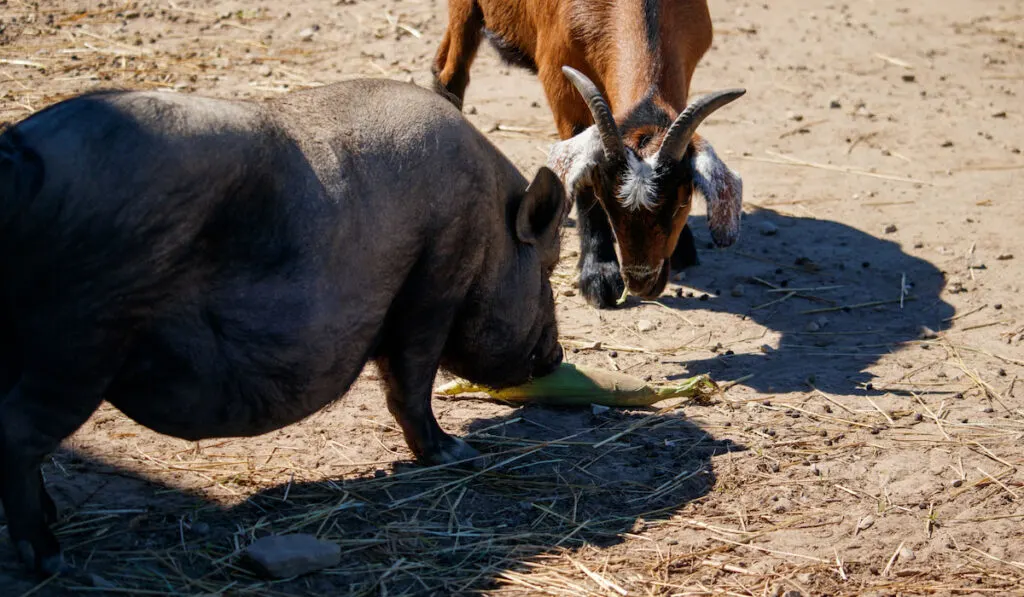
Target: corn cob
577,385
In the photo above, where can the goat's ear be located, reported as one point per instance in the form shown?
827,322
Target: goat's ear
722,189
576,160
540,213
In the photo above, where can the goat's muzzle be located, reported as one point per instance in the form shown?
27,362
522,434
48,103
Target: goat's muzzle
645,281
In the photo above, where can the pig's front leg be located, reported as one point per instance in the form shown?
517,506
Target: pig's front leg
408,365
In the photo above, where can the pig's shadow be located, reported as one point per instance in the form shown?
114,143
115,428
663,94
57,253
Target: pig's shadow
403,531
835,348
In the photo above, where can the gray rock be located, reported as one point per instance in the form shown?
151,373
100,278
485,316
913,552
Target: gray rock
285,556
738,290
907,554
768,229
645,325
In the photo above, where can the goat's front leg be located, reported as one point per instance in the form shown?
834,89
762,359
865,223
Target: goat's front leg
457,50
409,359
600,280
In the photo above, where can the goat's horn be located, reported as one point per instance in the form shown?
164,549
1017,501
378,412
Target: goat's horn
611,140
681,132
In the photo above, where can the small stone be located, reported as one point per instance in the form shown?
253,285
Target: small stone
568,292
614,354
919,245
794,116
907,554
997,306
768,229
793,593
813,326
909,78
307,34
891,228
1005,257
265,70
1000,114
957,482
947,143
645,325
678,277
918,417
866,523
737,290
285,556
835,104
926,333
598,409
471,111
201,528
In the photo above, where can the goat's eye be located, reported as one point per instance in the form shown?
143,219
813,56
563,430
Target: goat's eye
642,141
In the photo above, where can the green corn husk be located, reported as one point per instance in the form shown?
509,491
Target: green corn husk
579,385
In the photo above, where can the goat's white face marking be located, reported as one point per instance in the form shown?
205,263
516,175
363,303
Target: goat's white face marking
638,188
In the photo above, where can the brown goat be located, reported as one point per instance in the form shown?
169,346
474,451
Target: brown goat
641,159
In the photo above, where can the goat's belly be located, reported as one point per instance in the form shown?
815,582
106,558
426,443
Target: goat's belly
200,384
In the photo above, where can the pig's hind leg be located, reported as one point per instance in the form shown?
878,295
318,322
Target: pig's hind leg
43,408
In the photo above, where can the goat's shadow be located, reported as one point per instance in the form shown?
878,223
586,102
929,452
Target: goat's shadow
403,531
830,334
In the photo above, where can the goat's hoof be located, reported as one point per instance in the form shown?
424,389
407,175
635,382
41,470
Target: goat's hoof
601,284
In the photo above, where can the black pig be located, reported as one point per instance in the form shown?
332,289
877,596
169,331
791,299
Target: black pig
221,268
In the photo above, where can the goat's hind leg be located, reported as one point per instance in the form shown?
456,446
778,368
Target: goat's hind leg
457,50
685,254
39,412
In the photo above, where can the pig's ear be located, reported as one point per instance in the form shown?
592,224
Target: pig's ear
541,211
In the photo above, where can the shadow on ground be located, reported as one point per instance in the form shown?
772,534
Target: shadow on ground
844,267
407,530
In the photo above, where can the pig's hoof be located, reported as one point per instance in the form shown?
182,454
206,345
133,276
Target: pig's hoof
45,565
457,450
601,284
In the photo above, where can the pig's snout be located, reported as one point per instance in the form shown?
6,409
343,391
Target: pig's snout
544,362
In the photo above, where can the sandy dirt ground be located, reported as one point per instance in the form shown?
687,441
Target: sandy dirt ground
880,145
